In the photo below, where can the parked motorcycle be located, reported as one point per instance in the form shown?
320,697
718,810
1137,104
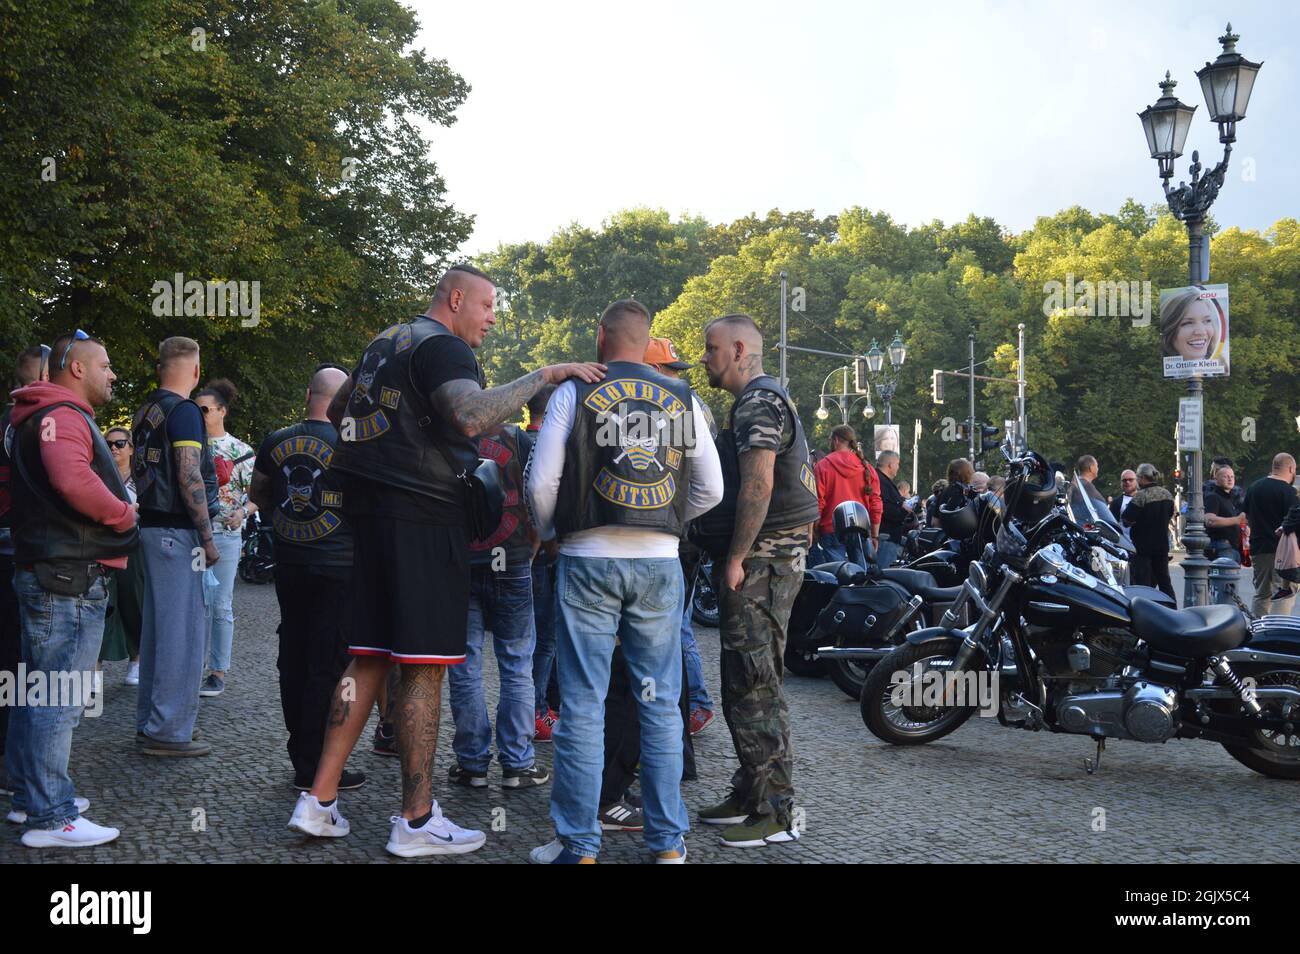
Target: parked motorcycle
257,553
704,601
1055,647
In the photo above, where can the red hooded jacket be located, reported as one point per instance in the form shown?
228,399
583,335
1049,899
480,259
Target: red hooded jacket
67,458
840,477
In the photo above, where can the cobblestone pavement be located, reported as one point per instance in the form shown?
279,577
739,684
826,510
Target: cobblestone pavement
984,793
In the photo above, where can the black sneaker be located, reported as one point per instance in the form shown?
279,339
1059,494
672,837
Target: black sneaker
385,739
529,777
467,777
621,816
347,781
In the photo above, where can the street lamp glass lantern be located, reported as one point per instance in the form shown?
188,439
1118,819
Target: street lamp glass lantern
897,351
868,412
875,357
1166,124
822,413
1227,84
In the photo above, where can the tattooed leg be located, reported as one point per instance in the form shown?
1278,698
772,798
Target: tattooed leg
388,693
417,707
349,710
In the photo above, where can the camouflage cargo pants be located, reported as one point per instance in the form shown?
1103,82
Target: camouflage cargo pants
753,627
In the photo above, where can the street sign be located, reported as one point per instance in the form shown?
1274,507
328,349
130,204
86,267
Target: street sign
1189,424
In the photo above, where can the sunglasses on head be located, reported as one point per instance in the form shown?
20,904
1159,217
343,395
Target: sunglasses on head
77,335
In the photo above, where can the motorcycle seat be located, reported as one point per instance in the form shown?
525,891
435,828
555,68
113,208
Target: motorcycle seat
922,584
1150,593
1193,632
846,572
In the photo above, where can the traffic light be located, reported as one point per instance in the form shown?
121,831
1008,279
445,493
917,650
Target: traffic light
986,436
936,387
861,384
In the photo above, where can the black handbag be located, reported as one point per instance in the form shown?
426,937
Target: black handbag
483,492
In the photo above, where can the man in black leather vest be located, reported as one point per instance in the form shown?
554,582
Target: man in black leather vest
407,419
73,519
176,487
32,365
295,489
773,495
620,467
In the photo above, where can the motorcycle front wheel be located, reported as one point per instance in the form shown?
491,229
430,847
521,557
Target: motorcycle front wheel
892,721
704,601
1271,753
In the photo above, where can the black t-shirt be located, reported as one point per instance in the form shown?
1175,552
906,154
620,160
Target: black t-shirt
1223,506
438,360
1267,502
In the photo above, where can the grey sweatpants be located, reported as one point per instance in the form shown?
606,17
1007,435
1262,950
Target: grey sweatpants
173,634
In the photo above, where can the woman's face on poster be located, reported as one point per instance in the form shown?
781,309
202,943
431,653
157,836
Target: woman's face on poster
1195,337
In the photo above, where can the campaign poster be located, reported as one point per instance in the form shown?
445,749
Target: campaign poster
1194,331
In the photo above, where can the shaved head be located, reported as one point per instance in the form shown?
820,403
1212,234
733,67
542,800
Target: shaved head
465,302
325,383
733,352
624,331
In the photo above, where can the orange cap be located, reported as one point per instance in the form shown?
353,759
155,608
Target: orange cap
661,351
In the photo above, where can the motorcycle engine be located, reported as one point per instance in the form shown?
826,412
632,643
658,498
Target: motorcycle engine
1083,656
1144,711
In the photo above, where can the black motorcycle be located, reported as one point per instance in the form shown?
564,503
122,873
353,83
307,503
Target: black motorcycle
257,553
704,601
1055,647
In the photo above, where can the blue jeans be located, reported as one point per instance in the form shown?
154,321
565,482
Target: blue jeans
827,549
221,609
503,603
638,602
887,552
544,623
172,634
60,638
699,692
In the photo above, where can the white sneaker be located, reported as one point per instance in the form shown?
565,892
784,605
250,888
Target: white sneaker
438,836
20,817
79,833
133,674
312,818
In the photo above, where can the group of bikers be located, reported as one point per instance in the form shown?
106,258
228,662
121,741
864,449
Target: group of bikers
410,519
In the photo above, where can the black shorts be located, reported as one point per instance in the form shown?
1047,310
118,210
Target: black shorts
410,598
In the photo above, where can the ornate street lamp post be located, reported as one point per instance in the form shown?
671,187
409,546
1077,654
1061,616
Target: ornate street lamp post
846,401
1226,84
888,384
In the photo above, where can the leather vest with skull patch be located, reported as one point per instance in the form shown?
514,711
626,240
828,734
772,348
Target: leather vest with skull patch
509,447
153,465
626,460
308,516
389,433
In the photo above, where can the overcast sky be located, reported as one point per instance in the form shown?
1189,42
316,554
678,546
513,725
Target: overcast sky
923,110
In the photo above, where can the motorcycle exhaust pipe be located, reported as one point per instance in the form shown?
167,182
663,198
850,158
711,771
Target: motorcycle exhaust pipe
855,652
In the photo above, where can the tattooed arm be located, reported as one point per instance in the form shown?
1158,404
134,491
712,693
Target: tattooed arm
752,500
195,497
474,411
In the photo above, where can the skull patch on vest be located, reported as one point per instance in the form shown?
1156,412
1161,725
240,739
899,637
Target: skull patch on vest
644,429
305,512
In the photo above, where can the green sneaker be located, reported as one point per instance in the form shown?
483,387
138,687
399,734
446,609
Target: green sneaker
757,831
727,812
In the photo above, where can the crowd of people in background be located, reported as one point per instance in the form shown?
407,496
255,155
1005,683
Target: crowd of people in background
416,529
